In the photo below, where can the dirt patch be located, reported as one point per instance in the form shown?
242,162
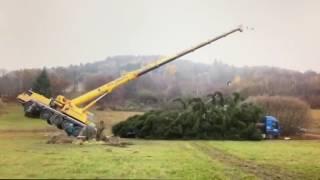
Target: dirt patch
43,130
261,171
2,106
2,111
61,139
1,103
310,136
64,139
9,135
117,141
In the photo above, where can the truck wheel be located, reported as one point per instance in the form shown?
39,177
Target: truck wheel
269,136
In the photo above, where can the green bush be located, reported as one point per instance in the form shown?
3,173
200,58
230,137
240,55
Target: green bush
215,117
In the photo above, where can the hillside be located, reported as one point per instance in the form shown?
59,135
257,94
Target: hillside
180,78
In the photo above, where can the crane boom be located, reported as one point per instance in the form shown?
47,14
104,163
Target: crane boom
109,87
72,115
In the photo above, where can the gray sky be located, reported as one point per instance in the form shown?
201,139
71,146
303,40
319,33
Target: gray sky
38,33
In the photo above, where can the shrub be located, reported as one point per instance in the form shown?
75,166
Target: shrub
292,112
213,118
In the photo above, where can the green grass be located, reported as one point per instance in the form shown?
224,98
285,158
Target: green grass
25,154
12,118
298,156
29,157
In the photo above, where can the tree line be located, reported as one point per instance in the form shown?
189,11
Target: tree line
178,79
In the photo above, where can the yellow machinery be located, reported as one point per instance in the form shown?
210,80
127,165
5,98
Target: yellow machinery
72,115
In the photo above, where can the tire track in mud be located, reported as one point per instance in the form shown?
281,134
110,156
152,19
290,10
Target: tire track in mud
248,166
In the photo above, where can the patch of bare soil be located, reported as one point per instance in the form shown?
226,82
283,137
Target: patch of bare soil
261,171
310,136
64,139
117,141
61,139
2,112
43,130
21,135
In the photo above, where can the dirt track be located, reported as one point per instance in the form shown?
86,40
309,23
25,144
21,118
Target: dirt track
260,171
48,130
311,136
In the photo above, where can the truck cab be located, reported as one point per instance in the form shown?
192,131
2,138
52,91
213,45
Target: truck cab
271,127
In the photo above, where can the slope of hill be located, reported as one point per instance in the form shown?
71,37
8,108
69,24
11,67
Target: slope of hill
180,78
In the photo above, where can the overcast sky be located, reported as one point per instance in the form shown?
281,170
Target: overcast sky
38,33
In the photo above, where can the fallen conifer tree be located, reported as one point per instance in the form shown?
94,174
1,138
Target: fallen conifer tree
215,117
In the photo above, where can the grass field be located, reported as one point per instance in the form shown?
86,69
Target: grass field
25,154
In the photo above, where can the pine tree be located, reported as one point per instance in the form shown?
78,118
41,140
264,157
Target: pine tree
42,84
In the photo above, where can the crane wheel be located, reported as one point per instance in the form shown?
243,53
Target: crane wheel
57,120
45,114
62,122
59,123
76,131
68,127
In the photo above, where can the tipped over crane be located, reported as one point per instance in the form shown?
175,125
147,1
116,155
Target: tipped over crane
72,115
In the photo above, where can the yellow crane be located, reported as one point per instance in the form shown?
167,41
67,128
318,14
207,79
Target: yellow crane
72,115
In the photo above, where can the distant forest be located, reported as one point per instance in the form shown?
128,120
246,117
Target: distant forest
178,79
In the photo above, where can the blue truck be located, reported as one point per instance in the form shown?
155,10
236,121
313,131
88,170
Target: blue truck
270,127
